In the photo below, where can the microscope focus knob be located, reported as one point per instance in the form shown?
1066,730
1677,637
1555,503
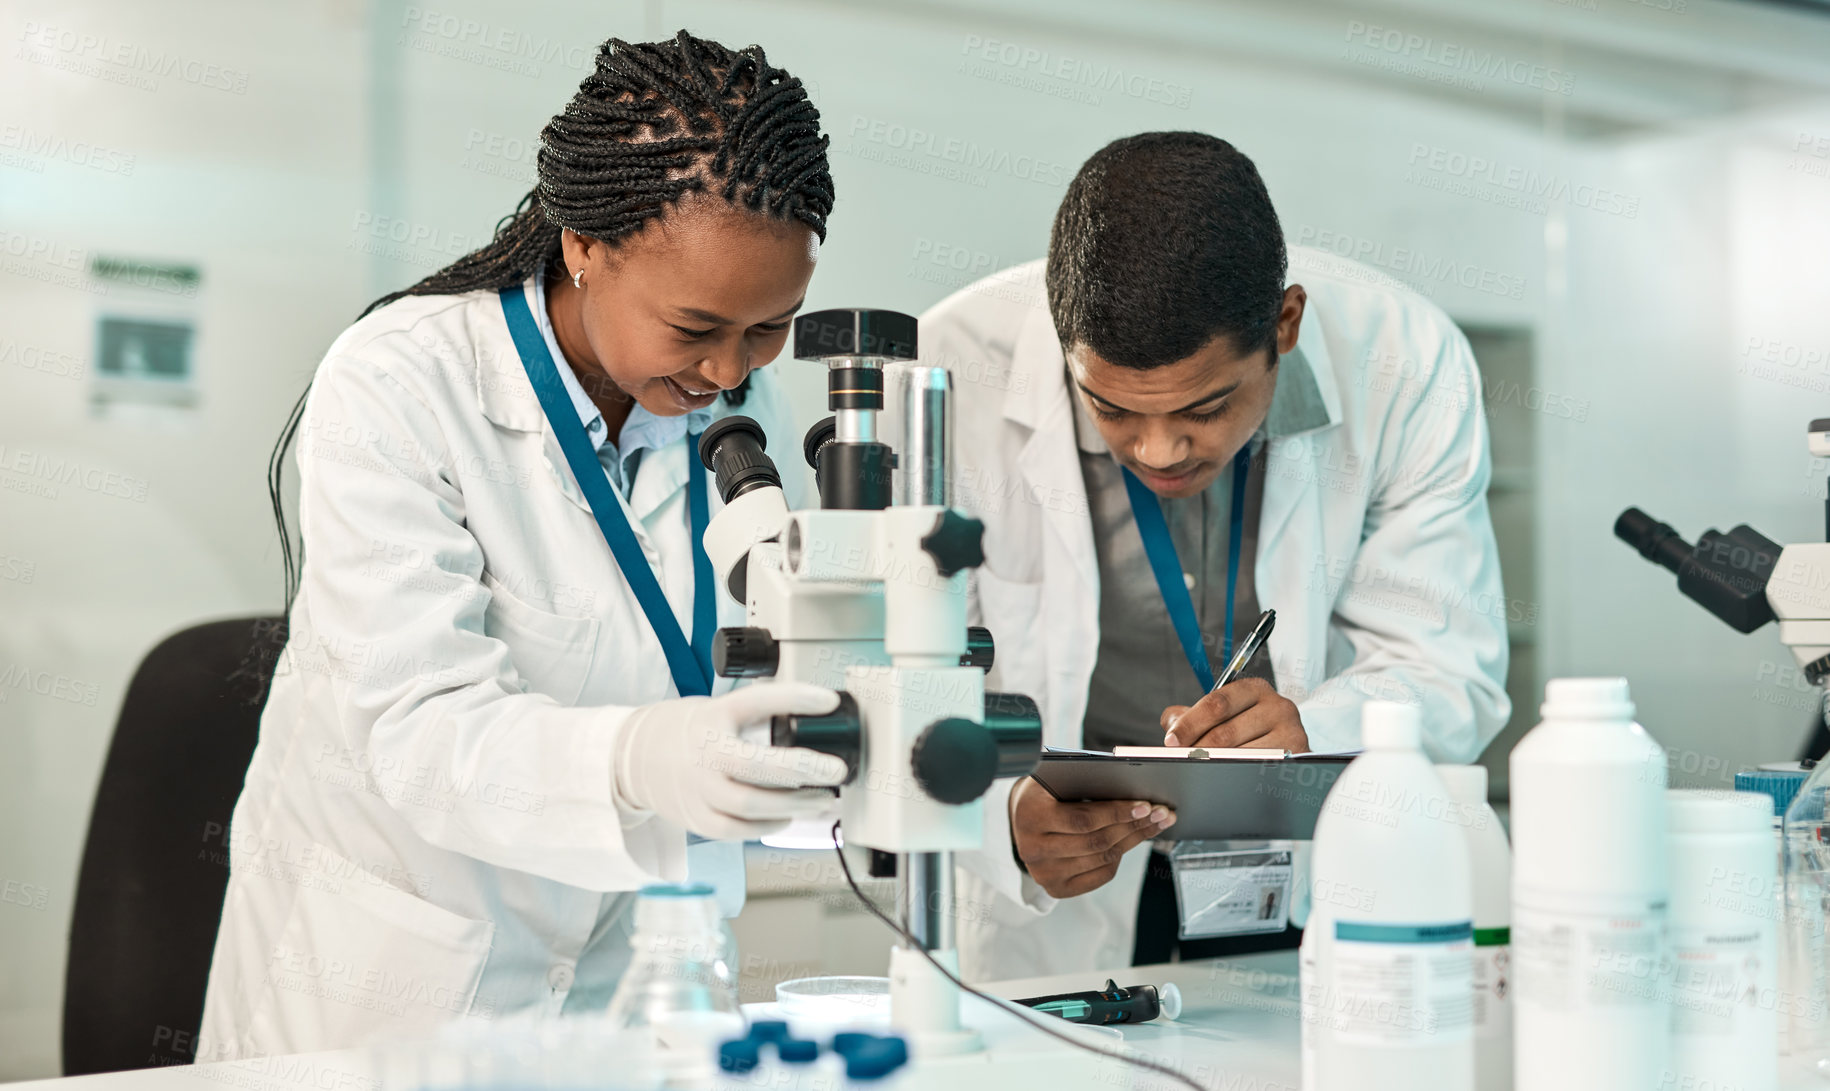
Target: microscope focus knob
839,732
744,653
957,541
955,760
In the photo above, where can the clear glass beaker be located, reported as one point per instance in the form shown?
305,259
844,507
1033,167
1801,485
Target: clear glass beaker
678,999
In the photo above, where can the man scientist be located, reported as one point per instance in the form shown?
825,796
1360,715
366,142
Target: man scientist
1167,425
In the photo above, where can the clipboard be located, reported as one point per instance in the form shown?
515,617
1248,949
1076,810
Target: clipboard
1213,798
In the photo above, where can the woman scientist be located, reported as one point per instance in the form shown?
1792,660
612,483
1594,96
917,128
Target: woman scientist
494,718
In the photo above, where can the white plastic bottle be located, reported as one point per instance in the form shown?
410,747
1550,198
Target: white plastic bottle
1490,863
1724,949
1589,895
1390,888
1309,990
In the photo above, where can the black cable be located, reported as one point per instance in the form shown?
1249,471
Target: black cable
1017,1010
276,488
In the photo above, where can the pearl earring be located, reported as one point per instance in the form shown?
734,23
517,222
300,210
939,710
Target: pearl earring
578,279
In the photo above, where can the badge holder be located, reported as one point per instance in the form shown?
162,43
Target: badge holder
1232,888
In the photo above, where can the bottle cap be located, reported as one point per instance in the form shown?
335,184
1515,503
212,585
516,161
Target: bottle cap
1466,783
876,1058
797,1050
1587,699
1716,811
769,1030
1387,725
739,1055
1782,786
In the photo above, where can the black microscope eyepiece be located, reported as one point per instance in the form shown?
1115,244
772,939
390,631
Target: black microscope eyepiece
733,448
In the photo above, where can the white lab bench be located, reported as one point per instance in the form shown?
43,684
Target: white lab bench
1239,1031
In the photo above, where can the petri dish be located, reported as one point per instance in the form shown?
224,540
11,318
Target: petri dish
836,999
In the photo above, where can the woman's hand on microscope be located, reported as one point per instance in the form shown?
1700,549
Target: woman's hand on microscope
1071,848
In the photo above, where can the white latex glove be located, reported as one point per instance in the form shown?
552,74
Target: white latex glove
683,760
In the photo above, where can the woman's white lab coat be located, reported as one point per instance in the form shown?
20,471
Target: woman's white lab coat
428,828
1374,546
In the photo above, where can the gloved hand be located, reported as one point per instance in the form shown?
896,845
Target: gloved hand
683,760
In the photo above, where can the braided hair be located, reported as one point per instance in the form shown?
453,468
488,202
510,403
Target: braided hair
654,122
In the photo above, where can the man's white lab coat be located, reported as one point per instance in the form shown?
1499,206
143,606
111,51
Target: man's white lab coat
1374,547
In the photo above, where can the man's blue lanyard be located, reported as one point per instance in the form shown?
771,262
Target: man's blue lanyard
691,664
1154,529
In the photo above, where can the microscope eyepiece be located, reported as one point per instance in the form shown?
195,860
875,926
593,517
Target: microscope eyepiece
1657,542
733,449
1726,574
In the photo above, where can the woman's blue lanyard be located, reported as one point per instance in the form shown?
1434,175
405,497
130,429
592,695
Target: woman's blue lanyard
691,663
1154,529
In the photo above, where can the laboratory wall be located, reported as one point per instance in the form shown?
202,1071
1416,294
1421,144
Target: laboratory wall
1640,190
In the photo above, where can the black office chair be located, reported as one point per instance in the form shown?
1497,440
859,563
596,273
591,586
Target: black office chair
156,863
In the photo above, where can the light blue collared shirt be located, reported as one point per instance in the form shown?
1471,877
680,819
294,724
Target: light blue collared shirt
621,456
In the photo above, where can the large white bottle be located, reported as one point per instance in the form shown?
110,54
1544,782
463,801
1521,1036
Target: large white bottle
1390,889
1591,1010
1490,861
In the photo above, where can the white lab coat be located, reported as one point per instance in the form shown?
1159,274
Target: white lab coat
1374,546
427,828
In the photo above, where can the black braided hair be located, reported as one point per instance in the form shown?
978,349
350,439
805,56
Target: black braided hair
654,122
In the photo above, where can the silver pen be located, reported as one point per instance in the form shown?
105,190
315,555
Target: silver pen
1253,641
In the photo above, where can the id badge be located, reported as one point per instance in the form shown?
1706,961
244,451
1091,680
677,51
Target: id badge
1232,888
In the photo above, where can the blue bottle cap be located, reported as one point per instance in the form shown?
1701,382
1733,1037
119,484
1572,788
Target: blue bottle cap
1782,786
798,1050
877,1059
739,1055
896,1046
846,1042
769,1030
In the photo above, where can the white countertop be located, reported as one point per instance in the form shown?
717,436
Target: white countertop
1238,1031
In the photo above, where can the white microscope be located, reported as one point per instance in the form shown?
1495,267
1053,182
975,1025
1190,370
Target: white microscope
867,595
1747,579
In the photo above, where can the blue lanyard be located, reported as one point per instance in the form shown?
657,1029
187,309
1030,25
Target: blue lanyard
1154,529
691,664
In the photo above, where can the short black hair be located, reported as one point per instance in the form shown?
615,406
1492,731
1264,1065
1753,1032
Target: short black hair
1164,242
